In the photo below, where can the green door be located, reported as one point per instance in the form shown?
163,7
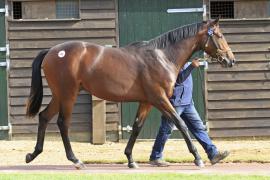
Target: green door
146,19
3,75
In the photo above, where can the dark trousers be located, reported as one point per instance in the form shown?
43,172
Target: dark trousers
195,125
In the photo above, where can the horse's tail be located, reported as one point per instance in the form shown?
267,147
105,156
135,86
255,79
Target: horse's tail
36,93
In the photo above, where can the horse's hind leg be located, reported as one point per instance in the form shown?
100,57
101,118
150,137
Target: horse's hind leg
44,117
142,113
63,123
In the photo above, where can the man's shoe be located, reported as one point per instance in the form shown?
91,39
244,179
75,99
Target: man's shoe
219,156
159,163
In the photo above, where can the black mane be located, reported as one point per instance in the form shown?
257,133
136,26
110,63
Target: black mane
169,38
175,35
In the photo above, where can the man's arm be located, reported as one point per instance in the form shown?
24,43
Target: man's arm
185,73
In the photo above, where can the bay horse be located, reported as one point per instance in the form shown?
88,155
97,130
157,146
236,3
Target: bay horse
142,71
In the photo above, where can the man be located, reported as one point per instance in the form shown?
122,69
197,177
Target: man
183,103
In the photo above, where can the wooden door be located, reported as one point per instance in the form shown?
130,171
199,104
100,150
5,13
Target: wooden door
145,19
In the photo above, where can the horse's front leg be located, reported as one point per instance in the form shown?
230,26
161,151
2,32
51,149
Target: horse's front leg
142,113
164,105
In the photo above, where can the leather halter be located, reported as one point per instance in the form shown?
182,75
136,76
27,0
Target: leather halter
220,53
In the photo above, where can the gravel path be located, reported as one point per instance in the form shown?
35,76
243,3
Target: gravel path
53,159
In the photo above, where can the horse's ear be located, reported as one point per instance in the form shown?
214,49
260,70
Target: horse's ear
215,22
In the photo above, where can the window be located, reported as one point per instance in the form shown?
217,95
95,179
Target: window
51,9
17,10
222,9
67,9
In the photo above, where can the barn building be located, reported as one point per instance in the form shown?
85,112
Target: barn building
236,99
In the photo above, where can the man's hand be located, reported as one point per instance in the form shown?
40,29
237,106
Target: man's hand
195,63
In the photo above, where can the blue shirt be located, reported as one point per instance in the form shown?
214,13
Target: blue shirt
182,93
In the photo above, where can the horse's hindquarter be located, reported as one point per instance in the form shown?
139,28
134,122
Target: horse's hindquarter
61,67
112,74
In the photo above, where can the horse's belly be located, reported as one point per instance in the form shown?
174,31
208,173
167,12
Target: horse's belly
115,91
117,94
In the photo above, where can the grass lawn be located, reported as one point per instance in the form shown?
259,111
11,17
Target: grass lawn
167,176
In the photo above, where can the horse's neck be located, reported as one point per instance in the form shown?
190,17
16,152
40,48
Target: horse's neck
185,50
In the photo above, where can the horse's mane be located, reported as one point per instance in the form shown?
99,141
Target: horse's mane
170,37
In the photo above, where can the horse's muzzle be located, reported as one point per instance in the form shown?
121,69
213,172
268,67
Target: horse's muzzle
232,62
228,62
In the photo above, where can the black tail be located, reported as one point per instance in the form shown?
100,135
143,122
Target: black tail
36,93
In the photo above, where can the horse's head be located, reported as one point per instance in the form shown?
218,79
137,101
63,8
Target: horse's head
215,44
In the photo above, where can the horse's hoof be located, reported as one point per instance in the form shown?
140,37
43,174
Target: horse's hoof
199,163
28,158
133,165
79,165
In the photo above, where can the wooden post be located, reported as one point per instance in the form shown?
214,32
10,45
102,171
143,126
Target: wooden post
98,120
